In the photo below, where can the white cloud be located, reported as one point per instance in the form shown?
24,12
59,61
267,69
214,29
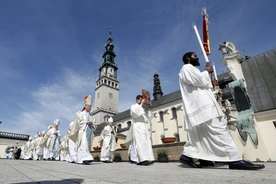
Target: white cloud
60,99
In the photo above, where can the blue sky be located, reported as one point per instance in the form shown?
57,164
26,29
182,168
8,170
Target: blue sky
50,51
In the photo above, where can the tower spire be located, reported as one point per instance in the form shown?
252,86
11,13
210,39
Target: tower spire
107,85
110,32
157,90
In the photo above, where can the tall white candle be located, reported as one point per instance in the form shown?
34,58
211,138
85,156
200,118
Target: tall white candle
203,51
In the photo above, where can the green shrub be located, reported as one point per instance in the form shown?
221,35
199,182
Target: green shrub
162,151
117,154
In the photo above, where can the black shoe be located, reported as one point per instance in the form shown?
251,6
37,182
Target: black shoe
87,162
133,162
188,161
53,158
206,163
244,165
107,161
44,158
144,163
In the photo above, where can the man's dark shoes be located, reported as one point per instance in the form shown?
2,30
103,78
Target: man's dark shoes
188,161
144,163
87,162
133,162
206,163
245,165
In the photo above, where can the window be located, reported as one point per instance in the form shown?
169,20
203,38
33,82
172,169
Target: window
176,135
161,116
128,124
119,127
174,114
106,118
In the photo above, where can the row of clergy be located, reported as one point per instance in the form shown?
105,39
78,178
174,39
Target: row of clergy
76,145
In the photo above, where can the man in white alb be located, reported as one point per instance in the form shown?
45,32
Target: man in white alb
140,148
107,142
208,138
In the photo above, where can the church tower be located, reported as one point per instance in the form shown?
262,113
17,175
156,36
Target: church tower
107,85
157,90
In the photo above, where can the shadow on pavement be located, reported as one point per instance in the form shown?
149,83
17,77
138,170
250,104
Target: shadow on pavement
64,181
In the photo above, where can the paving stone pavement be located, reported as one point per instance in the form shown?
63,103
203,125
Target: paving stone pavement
60,172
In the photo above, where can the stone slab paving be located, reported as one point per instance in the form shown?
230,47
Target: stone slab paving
50,172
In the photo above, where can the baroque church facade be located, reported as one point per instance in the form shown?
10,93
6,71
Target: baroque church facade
168,119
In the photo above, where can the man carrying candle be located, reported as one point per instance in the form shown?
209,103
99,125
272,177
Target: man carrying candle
208,139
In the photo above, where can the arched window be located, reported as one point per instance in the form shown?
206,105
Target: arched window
161,117
174,114
119,127
106,117
177,137
128,124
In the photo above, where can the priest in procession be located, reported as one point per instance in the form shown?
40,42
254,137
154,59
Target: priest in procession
108,142
140,149
83,127
54,140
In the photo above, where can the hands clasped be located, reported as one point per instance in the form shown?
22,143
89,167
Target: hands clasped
89,123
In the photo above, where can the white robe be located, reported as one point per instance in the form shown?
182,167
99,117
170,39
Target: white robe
80,128
108,143
199,102
54,148
72,152
39,149
33,148
141,148
27,150
208,137
44,143
51,150
46,153
72,138
22,151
